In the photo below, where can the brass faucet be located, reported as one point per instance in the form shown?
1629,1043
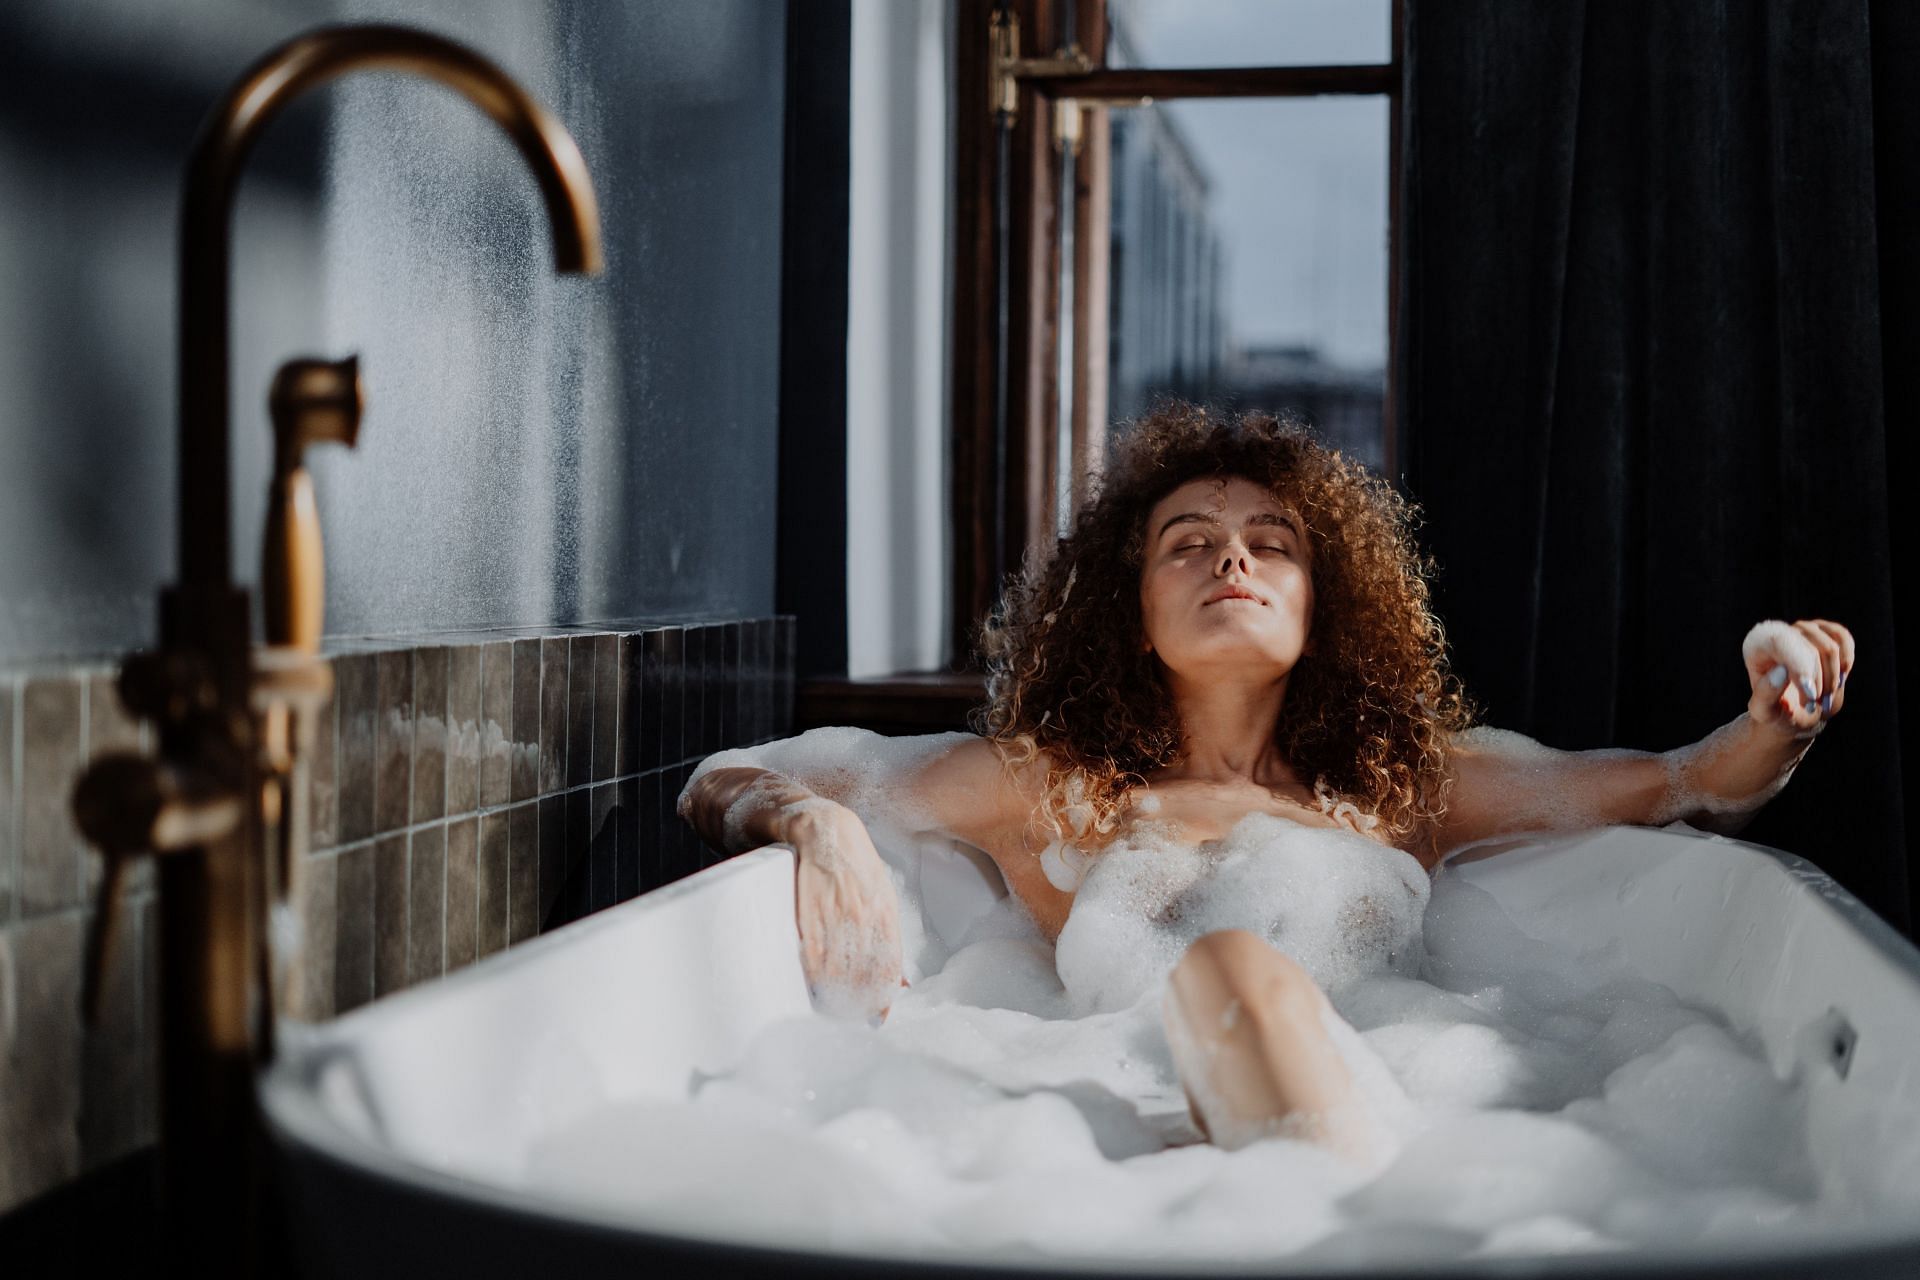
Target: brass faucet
223,805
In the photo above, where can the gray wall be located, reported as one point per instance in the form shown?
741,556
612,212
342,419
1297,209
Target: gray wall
537,449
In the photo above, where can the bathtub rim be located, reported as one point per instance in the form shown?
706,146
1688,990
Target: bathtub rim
295,1120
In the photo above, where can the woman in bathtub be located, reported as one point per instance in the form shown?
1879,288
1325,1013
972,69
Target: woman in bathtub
1238,624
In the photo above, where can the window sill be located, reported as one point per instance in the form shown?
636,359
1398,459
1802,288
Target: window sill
907,702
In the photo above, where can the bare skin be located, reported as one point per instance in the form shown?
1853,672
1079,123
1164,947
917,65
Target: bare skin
1252,1047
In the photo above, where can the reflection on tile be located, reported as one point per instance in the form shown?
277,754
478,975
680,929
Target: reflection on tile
711,727
525,765
429,734
463,729
390,883
393,741
496,722
40,1077
463,884
647,833
320,916
784,658
323,773
580,687
9,811
523,892
490,890
693,694
49,859
353,943
356,690
654,661
427,904
606,704
553,714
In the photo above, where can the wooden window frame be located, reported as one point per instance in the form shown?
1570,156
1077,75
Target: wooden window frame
1004,385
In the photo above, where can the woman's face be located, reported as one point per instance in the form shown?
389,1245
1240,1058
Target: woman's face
1226,537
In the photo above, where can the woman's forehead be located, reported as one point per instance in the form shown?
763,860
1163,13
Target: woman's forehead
1219,494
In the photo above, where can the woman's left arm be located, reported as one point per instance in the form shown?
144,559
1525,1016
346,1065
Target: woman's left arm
1506,783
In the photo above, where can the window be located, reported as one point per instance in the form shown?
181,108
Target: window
1146,217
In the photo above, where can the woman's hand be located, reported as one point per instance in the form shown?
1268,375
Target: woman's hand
1798,673
847,911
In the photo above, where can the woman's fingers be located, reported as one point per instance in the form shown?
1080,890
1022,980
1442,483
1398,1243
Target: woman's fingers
1798,672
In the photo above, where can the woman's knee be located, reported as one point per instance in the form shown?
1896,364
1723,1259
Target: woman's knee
1240,967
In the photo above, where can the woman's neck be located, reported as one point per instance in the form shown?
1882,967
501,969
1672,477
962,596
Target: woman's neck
1228,732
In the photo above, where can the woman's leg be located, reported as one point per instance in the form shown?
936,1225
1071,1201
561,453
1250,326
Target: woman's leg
1245,1024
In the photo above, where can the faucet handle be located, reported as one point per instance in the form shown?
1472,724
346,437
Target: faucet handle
128,805
312,402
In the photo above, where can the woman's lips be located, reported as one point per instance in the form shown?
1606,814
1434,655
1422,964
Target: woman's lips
1233,593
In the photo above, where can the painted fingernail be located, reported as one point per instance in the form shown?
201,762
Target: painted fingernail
1826,705
1806,684
1778,677
1843,679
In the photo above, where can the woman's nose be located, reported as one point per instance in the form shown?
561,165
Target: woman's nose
1234,556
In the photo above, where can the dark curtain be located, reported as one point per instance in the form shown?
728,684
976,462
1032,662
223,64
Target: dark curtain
1659,359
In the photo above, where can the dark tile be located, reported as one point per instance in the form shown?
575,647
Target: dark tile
605,852
356,689
712,728
576,887
320,920
693,694
390,883
659,649
626,820
647,834
9,810
490,887
606,705
747,691
784,681
580,689
463,729
463,886
731,679
40,1056
549,910
496,723
672,850
627,684
110,728
523,875
525,766
148,1050
110,1093
49,860
693,849
763,683
429,734
323,776
553,714
427,905
353,936
393,742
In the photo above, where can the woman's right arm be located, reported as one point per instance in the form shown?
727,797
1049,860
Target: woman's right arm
845,907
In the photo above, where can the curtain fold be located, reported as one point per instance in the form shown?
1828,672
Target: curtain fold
1659,294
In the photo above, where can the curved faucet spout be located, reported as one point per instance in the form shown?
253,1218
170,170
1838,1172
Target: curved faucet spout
212,177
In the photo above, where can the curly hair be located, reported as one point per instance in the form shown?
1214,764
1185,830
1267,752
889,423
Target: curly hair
1367,717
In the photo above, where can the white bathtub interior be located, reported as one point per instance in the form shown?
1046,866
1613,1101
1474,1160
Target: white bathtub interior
457,1083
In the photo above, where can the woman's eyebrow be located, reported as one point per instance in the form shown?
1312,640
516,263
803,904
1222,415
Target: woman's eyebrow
1186,517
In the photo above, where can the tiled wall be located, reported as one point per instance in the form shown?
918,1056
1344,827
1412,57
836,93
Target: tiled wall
467,792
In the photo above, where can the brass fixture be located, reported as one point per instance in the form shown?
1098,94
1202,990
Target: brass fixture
224,805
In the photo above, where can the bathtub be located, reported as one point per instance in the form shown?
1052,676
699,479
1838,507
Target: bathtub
396,1127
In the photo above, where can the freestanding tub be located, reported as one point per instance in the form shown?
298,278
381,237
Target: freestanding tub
396,1125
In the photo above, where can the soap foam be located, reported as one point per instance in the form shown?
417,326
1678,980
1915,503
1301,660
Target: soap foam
1021,1102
